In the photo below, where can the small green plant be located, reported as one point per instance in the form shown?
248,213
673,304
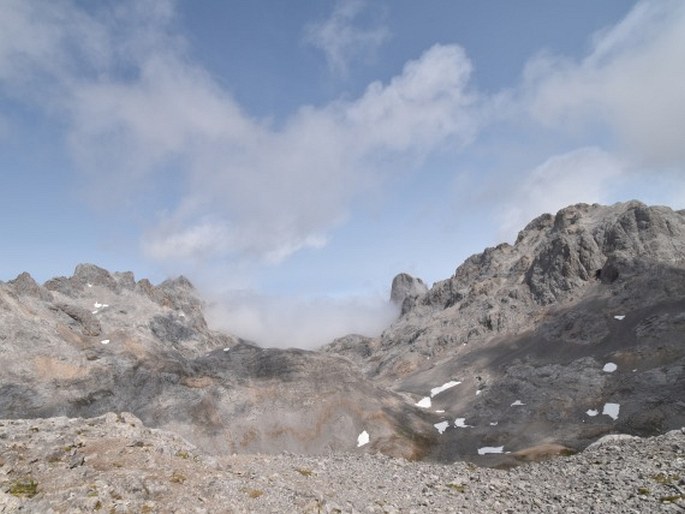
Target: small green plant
672,499
253,493
304,472
664,479
24,487
182,454
177,478
643,491
460,488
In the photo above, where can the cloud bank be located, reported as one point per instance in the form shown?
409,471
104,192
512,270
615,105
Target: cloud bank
299,322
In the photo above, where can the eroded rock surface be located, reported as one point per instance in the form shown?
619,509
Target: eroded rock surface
98,341
113,463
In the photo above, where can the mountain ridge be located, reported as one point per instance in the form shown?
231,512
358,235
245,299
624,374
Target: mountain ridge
509,353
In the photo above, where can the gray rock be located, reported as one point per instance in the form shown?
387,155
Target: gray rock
405,290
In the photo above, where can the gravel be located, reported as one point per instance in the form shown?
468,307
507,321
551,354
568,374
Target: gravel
115,464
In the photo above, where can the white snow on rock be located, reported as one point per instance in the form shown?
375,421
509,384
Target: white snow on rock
479,391
620,317
100,305
517,403
227,348
437,390
461,423
592,412
362,439
494,423
89,285
610,367
424,402
490,449
105,341
440,411
442,426
611,410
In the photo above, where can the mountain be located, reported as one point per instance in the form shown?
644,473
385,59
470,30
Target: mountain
529,350
99,342
575,331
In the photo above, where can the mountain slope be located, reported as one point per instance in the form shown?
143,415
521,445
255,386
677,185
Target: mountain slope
98,342
536,322
532,349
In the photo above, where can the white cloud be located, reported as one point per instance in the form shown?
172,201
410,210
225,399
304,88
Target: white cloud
632,81
585,175
299,322
341,40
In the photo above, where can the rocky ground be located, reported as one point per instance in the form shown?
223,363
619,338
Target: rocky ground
113,463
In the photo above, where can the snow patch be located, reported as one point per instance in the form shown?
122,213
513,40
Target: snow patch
442,426
461,423
479,391
227,348
490,449
610,367
611,410
362,439
424,403
517,403
620,317
437,390
440,411
494,423
89,285
105,341
592,412
100,305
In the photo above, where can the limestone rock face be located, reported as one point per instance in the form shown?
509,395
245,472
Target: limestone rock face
528,329
573,332
406,290
96,342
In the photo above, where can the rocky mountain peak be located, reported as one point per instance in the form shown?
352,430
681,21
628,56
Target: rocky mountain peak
405,290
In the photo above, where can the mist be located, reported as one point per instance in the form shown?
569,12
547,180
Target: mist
309,323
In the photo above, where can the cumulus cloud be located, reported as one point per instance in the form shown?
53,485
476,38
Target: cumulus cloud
584,175
140,114
341,40
631,82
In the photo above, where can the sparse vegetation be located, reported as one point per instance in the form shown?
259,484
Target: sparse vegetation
183,454
253,493
177,478
305,472
664,479
672,499
643,491
24,487
460,488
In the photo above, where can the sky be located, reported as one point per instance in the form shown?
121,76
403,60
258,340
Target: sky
291,157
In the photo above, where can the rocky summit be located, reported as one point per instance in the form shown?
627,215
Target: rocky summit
529,351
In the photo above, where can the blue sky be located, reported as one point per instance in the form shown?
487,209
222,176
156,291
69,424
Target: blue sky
290,157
